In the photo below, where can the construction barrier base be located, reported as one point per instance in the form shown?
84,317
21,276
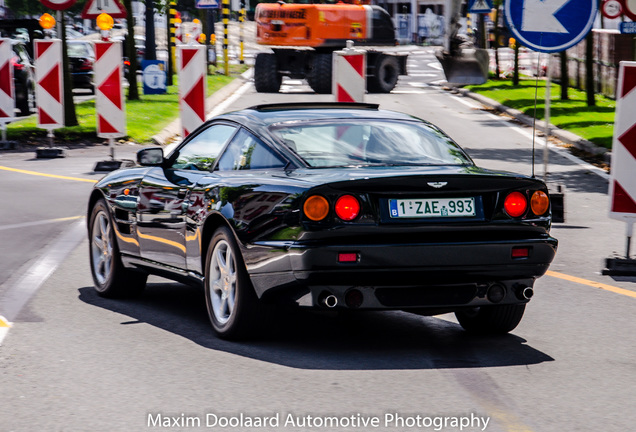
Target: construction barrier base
49,152
557,202
8,145
112,165
620,267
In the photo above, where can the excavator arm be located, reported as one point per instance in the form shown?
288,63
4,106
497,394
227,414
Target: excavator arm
462,62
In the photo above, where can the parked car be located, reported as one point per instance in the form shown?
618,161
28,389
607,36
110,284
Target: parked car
23,77
81,56
332,206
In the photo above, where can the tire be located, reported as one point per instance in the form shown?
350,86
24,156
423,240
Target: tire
498,319
319,79
229,296
387,71
110,277
266,77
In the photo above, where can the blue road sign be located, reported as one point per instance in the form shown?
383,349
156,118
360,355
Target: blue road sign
550,25
154,76
480,6
628,27
206,4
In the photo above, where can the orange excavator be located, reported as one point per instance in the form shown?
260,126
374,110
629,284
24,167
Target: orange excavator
304,36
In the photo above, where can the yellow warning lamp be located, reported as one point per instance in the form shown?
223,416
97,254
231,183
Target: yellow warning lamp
105,22
47,21
212,39
201,38
196,21
177,20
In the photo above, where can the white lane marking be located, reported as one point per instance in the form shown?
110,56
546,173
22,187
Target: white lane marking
435,65
36,223
26,283
539,141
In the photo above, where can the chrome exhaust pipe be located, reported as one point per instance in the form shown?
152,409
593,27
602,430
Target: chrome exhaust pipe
527,293
330,301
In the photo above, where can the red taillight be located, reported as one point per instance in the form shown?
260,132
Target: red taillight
86,65
16,65
347,257
347,207
520,252
126,63
516,204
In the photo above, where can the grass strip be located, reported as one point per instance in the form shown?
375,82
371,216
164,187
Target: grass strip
595,124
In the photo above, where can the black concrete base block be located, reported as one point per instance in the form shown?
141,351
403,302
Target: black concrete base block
620,267
557,201
8,145
49,152
112,165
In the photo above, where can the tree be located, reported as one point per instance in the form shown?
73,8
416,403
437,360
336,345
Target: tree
131,53
565,76
589,69
497,5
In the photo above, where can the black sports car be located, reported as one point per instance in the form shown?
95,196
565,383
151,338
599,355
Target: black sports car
326,206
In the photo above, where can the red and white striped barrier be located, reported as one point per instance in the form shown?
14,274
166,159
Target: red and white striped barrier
7,98
349,72
192,80
109,91
623,176
49,86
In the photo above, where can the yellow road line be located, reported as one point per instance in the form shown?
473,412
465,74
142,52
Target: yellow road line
4,322
47,175
593,284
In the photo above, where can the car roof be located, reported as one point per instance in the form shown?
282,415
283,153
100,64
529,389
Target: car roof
266,115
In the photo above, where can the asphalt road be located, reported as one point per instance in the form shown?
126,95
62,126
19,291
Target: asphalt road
76,362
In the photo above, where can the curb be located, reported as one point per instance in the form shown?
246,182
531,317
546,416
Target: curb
173,130
563,135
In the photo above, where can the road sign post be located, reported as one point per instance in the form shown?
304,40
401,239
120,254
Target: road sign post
49,92
94,8
192,71
7,98
58,5
480,6
349,67
623,175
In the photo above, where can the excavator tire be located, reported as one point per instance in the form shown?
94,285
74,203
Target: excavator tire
319,79
387,70
266,77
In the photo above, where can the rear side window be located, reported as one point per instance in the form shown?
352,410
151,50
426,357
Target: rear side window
248,152
200,153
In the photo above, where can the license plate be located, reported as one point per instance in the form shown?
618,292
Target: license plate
432,207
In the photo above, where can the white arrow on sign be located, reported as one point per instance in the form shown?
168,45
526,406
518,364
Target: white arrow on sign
538,16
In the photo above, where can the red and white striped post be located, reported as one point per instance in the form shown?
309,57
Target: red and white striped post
192,79
7,96
49,86
623,175
109,92
349,72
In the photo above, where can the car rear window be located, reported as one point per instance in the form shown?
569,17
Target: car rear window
369,142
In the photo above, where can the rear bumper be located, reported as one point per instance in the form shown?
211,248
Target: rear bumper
397,276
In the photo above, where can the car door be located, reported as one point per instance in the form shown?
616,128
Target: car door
163,195
249,191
